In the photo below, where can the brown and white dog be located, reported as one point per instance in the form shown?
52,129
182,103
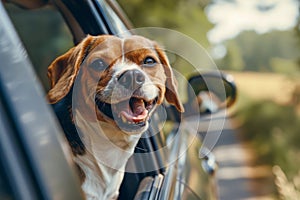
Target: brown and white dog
119,82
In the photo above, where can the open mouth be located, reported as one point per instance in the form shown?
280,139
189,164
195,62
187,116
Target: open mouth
129,114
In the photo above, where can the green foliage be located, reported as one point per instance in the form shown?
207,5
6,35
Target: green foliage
233,60
256,52
284,66
274,131
45,36
187,17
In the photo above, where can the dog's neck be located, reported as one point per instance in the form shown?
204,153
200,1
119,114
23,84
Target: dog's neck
107,152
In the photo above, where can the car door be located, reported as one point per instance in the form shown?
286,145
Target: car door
32,147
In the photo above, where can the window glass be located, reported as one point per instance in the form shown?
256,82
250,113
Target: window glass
44,35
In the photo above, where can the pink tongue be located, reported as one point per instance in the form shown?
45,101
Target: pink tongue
140,117
137,112
138,106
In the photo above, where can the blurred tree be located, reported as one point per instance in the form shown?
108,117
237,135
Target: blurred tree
297,31
256,52
248,51
233,59
275,133
185,16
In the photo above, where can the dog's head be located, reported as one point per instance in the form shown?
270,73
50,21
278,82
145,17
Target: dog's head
122,80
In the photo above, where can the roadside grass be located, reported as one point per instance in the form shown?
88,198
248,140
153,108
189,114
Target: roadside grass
274,132
287,189
269,121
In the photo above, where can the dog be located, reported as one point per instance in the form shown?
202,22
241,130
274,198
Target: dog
104,91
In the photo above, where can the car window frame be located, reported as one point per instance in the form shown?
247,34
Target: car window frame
35,137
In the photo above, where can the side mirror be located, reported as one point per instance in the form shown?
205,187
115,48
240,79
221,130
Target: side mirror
210,92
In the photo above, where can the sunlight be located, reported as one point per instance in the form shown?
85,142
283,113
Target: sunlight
232,17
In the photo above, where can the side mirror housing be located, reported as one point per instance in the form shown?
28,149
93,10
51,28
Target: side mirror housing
210,92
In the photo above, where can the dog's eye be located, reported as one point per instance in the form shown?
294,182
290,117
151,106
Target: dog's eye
98,65
149,62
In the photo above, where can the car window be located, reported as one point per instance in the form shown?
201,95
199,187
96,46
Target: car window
44,35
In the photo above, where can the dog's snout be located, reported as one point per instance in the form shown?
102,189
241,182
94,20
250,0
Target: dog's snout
132,79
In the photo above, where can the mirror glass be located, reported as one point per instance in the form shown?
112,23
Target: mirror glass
211,91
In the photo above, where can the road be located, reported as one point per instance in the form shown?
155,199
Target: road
237,178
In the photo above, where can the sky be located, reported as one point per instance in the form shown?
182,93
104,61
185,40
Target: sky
231,17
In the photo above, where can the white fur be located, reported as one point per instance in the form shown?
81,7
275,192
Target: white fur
108,150
107,147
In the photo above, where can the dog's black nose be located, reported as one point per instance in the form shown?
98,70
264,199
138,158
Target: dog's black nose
132,79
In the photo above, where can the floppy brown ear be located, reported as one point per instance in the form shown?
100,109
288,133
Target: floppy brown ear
63,71
171,84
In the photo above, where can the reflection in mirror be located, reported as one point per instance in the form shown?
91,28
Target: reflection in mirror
210,92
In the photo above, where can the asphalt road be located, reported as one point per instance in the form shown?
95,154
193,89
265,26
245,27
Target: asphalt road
232,178
237,178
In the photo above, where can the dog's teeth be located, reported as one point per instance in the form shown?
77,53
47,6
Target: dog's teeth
124,120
